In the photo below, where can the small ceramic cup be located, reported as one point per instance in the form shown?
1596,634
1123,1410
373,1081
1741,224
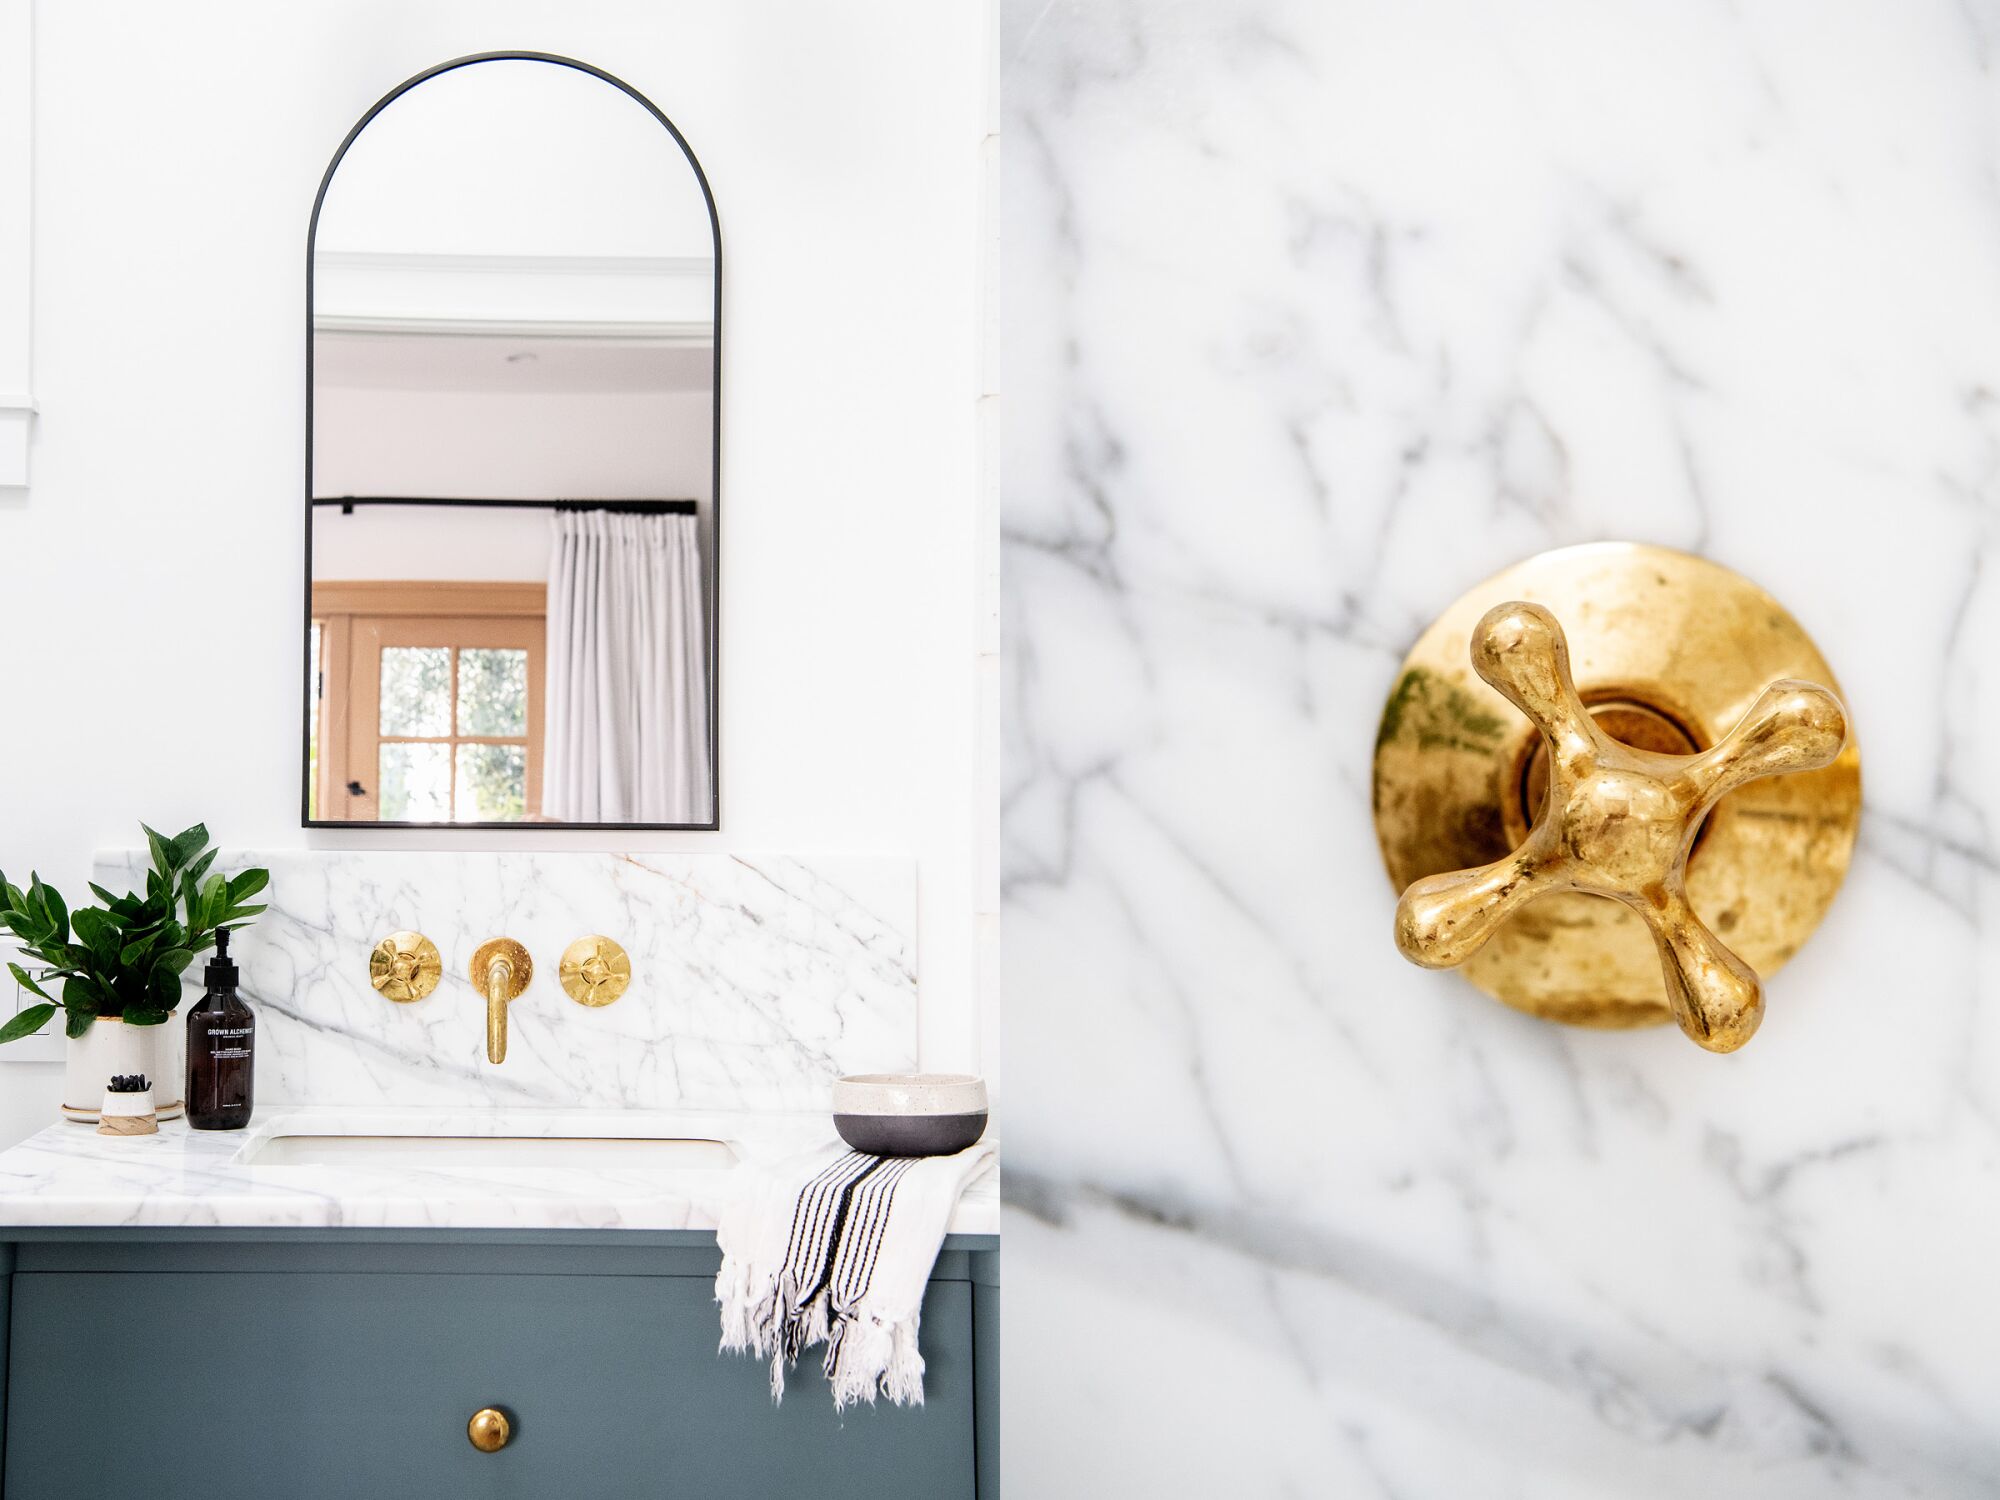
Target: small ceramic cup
910,1114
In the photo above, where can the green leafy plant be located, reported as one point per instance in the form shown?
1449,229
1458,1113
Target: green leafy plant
123,958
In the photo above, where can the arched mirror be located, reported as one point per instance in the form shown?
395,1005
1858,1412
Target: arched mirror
512,464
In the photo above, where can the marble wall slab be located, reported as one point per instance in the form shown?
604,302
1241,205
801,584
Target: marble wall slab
1319,311
757,979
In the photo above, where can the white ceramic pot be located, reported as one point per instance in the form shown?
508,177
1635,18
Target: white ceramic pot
169,1065
109,1047
128,1114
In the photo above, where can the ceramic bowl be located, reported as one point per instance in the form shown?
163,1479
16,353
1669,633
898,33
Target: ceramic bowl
910,1114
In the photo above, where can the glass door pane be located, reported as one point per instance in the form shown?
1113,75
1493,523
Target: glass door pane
416,691
492,691
416,783
492,784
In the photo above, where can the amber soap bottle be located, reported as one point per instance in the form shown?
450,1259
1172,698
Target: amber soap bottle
221,1048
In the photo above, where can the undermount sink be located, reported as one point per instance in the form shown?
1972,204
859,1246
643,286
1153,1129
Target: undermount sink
490,1152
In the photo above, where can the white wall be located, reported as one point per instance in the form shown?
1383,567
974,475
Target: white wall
16,237
644,444
533,446
510,546
177,150
516,158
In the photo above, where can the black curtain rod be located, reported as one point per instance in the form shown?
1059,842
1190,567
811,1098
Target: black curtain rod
347,503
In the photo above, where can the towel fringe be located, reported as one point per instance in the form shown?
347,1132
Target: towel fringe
866,1356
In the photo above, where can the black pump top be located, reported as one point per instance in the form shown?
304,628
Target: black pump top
221,971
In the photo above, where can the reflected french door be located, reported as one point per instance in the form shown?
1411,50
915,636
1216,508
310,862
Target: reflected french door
431,717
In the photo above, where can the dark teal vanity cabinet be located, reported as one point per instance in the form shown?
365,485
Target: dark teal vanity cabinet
344,1364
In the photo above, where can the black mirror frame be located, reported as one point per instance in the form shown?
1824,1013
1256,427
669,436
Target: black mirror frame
713,609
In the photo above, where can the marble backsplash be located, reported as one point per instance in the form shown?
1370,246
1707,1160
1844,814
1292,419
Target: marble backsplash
757,979
1317,314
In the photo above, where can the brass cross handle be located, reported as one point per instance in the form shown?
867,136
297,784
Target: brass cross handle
595,971
404,966
1618,822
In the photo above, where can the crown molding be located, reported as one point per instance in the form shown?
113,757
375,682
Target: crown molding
669,298
679,335
685,266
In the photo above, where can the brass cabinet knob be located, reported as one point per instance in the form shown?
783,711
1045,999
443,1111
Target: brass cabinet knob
404,966
1598,804
489,1429
595,971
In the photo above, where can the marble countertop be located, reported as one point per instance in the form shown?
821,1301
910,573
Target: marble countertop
68,1175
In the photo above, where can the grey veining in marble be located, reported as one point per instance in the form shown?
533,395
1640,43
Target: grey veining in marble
757,980
1317,314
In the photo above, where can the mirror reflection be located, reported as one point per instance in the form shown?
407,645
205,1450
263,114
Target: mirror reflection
511,535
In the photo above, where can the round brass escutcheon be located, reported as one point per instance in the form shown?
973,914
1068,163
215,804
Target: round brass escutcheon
595,971
489,1429
404,966
520,968
1668,652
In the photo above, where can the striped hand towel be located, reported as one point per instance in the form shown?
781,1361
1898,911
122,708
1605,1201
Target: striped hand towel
835,1247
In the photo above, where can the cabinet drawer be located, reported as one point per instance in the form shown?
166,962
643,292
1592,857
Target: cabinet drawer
345,1385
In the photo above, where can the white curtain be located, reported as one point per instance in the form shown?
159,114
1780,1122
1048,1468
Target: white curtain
626,724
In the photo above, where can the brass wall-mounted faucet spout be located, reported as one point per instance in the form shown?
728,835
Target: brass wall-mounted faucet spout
501,968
